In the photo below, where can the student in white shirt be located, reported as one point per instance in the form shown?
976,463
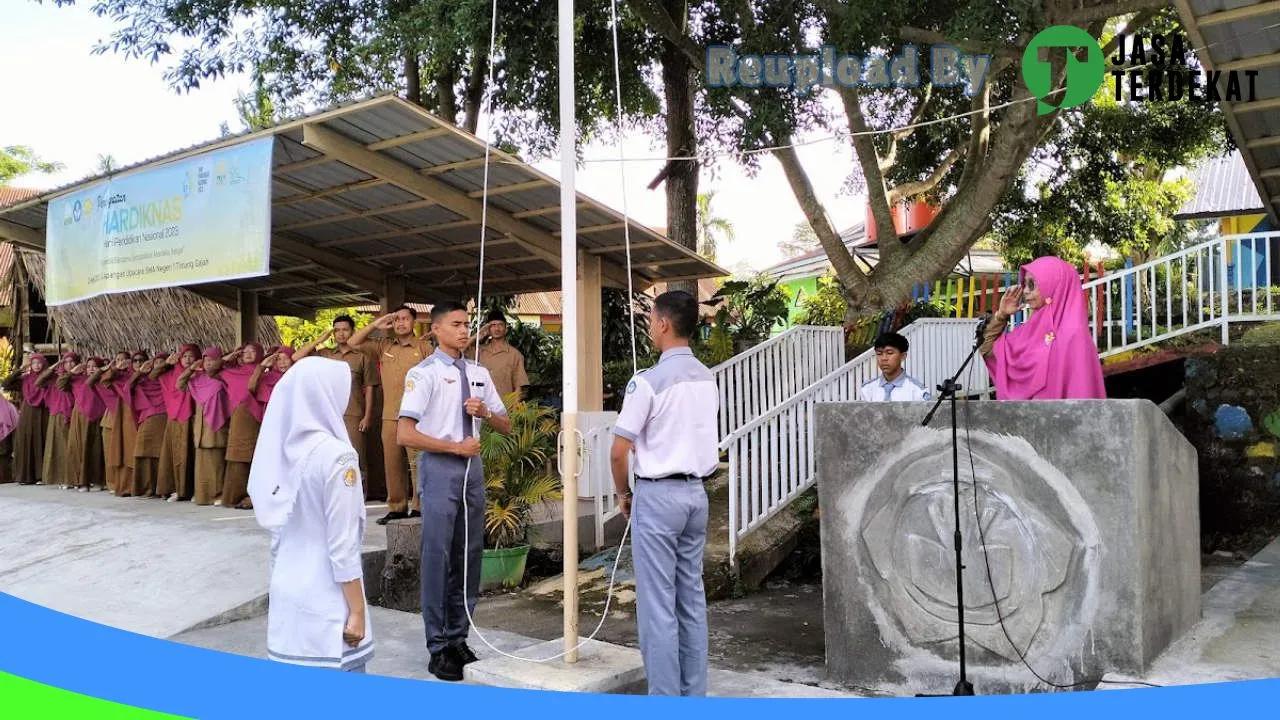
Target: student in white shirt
894,383
446,397
306,489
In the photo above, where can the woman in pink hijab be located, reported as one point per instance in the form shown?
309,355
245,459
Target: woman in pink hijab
1052,356
33,420
246,421
176,455
269,373
85,462
59,402
147,397
209,424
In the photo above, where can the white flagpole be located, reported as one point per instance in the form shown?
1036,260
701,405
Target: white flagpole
569,327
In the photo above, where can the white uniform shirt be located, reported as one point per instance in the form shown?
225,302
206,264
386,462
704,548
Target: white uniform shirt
317,550
433,396
670,413
903,387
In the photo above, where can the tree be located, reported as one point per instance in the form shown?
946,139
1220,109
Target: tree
711,228
18,160
803,240
967,166
297,332
107,164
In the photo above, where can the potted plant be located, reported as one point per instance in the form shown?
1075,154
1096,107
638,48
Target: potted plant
519,475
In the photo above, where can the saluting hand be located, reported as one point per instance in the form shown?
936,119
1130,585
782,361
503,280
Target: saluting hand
1011,301
270,360
386,322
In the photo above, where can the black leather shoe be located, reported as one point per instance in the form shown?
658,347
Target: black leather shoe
445,666
465,654
392,516
414,514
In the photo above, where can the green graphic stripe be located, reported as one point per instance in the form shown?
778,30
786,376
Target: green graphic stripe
22,699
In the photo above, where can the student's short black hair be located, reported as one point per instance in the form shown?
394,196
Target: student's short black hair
893,340
346,319
496,315
439,310
412,313
681,309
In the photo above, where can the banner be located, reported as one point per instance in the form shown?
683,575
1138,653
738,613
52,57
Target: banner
199,220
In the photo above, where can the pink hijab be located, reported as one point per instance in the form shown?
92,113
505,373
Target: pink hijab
177,403
60,401
86,398
148,394
267,383
112,392
1052,356
32,393
211,393
236,378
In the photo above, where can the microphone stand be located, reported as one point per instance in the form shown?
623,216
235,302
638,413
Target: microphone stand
948,390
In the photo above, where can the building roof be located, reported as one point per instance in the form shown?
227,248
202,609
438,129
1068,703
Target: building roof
382,189
13,195
852,237
1222,188
816,264
1241,35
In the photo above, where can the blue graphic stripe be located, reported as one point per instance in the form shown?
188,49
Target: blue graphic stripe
174,678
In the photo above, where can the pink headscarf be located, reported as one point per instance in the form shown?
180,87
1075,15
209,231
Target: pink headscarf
32,393
211,393
59,401
177,403
1052,356
86,398
148,395
8,418
272,376
113,391
236,378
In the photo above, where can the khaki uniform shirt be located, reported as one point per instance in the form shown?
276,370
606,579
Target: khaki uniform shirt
364,373
395,359
506,365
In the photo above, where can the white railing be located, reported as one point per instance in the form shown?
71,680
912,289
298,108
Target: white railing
1222,281
763,377
596,470
771,458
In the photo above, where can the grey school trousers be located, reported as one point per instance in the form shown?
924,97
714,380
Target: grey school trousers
444,543
669,532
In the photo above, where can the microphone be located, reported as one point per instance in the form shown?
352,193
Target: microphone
982,326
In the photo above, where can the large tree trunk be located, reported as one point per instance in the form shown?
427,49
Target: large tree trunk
474,97
412,78
401,574
682,175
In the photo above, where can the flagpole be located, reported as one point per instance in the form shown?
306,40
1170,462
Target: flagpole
569,326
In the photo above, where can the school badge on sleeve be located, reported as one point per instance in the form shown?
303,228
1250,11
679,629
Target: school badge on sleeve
349,477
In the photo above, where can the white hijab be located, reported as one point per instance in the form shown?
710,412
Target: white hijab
305,411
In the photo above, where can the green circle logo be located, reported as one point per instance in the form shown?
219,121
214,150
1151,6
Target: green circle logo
1082,79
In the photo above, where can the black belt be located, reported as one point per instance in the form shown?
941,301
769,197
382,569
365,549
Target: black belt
683,477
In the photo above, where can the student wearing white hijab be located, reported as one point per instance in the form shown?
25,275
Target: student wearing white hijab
306,489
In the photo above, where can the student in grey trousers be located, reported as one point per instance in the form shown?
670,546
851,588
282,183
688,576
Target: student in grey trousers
668,419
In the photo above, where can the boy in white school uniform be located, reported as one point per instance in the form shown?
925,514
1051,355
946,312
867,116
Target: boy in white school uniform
894,383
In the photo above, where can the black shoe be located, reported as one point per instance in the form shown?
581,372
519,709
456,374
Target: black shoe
445,666
392,516
464,653
414,514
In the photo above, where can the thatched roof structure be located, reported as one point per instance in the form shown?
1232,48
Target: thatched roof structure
151,319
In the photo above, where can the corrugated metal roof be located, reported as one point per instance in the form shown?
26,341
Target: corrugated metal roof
1222,187
853,237
405,201
1241,36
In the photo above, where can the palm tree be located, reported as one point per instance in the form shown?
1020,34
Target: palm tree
107,164
710,227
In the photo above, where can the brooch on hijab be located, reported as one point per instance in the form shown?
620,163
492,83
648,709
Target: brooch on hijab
1048,338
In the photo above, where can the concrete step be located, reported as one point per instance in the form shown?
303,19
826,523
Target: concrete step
758,556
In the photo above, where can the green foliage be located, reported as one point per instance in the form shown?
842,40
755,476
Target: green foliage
1268,334
616,315
18,160
297,332
519,471
542,352
748,311
711,229
825,307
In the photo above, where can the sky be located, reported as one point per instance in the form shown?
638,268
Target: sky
71,106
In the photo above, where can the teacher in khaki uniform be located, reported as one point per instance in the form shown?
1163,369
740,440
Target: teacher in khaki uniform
397,351
669,419
444,396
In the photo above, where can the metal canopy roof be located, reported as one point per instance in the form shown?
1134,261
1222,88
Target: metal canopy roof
1237,35
382,189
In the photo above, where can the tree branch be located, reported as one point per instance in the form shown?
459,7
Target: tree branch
911,189
932,37
1112,8
840,257
661,22
869,161
892,156
979,134
1130,28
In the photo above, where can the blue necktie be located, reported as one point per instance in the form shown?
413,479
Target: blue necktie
461,364
888,391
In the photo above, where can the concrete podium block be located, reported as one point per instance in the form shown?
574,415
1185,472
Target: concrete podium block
1089,514
601,668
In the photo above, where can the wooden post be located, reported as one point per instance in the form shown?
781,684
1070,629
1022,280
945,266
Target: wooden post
248,317
590,334
392,292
